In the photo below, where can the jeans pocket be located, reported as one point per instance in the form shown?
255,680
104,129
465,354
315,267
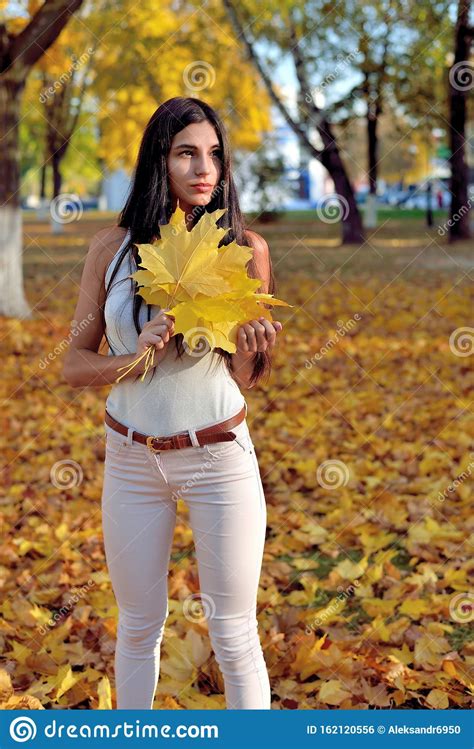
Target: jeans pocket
242,445
114,445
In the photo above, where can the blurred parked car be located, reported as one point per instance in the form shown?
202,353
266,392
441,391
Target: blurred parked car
88,204
420,199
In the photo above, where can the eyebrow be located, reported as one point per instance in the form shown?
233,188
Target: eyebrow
190,145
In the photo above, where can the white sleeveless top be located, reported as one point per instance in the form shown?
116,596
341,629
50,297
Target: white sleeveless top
177,394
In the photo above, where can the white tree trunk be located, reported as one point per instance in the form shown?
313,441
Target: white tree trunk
19,52
57,227
370,213
42,211
12,299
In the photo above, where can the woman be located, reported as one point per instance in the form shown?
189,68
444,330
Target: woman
183,160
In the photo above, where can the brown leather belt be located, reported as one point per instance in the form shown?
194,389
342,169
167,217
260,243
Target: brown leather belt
209,435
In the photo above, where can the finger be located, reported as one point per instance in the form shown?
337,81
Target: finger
270,331
251,336
275,323
242,340
162,320
261,336
154,340
160,328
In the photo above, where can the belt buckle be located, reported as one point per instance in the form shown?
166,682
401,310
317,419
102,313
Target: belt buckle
150,446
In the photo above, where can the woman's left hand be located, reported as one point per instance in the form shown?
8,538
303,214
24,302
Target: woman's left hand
258,335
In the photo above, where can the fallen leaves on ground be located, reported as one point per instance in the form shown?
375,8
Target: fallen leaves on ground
364,439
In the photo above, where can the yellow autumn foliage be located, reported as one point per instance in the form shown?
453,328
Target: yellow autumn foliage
365,598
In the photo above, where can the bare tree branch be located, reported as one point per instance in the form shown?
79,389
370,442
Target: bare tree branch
30,44
239,30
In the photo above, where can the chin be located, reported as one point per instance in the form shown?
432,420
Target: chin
202,199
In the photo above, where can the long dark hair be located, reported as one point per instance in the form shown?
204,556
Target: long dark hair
149,204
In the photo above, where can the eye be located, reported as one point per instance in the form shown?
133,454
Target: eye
215,153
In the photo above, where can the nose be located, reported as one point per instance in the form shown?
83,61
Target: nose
203,166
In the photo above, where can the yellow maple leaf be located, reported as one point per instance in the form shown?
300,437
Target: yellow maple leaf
438,699
183,264
104,694
66,679
218,319
332,692
404,655
415,608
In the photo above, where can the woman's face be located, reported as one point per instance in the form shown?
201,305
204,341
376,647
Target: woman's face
194,158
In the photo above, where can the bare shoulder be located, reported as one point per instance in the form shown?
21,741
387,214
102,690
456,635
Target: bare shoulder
257,242
108,239
103,246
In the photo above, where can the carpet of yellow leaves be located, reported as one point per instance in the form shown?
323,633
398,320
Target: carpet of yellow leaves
364,437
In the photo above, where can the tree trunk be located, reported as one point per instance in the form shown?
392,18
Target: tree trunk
18,54
43,206
12,297
458,75
43,181
330,158
57,179
56,223
351,222
372,147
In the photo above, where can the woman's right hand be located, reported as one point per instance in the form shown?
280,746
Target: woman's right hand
156,332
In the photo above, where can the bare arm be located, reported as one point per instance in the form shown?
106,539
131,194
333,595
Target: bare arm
83,365
248,341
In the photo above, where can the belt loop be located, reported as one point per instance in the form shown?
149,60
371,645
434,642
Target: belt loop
194,439
129,439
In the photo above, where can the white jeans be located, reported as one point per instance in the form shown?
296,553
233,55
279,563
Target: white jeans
222,487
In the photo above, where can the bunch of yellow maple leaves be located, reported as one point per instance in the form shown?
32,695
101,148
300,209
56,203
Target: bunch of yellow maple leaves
205,288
